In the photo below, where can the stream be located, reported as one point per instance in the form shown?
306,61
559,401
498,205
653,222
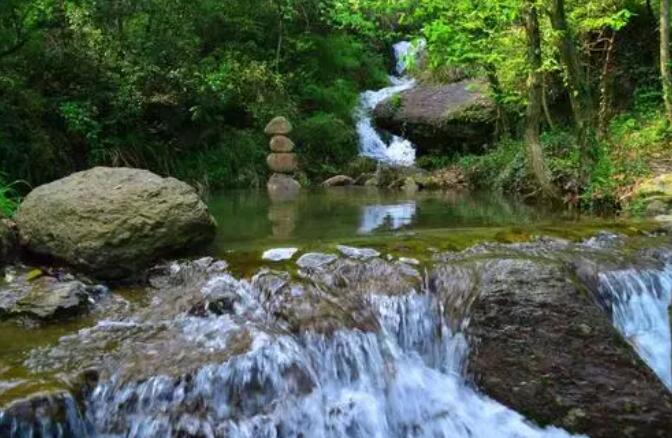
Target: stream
337,341
357,312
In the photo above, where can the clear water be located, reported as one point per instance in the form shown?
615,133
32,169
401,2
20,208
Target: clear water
167,371
250,220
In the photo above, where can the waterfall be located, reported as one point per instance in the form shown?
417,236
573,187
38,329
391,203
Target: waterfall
403,379
640,302
396,151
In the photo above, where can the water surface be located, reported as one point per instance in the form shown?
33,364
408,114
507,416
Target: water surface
250,220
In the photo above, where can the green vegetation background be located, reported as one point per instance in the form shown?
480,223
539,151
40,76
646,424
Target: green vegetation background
184,88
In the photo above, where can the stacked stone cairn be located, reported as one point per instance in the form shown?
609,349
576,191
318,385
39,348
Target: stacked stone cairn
282,160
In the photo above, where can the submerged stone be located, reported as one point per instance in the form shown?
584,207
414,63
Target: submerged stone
282,187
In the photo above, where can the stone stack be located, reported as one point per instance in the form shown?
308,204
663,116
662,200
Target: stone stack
282,160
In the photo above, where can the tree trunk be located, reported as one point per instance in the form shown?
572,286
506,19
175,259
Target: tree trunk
578,87
544,101
606,86
535,154
665,74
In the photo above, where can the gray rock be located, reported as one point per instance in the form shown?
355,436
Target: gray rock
279,254
458,117
315,260
339,181
278,126
280,143
42,298
282,162
358,253
113,222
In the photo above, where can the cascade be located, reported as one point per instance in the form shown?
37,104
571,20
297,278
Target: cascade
396,150
403,379
639,302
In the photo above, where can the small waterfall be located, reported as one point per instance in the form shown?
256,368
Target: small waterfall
396,151
404,379
639,303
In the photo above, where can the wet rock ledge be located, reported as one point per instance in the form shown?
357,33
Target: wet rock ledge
542,345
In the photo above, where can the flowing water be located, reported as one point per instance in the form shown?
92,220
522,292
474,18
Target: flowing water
390,149
640,300
343,346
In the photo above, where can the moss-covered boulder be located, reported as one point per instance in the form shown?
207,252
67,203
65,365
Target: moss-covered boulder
441,119
113,222
653,197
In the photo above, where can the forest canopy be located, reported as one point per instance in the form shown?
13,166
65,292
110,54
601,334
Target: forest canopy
184,88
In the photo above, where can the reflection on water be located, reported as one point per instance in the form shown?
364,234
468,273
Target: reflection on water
386,216
251,220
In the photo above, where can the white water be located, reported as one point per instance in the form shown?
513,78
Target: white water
396,151
640,301
404,380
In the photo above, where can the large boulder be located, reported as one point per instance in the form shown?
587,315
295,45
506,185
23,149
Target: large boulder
543,347
113,222
458,117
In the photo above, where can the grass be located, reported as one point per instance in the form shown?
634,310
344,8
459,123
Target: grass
9,199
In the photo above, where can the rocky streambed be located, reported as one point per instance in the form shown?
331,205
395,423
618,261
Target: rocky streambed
546,338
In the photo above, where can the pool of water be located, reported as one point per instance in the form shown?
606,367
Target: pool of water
250,220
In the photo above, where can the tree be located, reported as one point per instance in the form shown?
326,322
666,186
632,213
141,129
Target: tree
665,73
535,153
577,84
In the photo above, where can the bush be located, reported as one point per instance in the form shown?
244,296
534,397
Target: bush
9,199
326,144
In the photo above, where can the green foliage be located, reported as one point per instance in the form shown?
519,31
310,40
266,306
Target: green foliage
181,88
326,144
500,170
9,199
